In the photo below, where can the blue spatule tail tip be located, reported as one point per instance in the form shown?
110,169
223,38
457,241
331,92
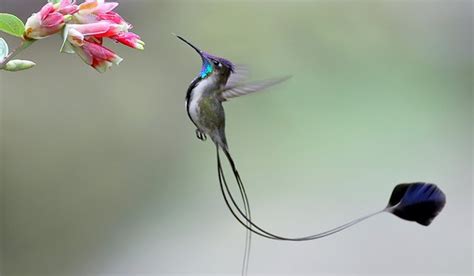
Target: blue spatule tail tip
419,201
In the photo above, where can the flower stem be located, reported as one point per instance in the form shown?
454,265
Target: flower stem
24,44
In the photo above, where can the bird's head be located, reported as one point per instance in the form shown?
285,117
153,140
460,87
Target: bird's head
212,65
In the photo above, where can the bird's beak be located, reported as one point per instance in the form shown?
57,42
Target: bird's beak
192,46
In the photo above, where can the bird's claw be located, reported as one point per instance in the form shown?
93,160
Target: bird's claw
201,135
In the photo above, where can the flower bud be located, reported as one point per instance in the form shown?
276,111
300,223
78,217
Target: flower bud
18,65
44,23
50,19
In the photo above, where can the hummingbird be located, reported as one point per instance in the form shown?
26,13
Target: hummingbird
217,82
220,80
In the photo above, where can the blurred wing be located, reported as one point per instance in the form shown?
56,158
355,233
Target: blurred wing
239,74
247,88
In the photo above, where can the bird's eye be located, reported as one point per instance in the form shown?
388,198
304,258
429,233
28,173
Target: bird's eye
216,63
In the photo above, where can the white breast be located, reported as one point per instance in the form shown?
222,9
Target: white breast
195,97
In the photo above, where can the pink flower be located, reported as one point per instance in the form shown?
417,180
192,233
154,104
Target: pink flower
97,56
129,39
95,21
67,7
93,11
44,23
113,17
84,28
86,41
49,20
97,6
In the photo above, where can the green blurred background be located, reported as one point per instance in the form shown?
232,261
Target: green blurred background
103,174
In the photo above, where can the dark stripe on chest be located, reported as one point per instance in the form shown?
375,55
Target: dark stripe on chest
191,87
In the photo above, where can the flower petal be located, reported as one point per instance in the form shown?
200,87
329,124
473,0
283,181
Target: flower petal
101,57
88,5
52,20
86,57
46,10
75,37
129,39
107,7
91,28
111,16
67,7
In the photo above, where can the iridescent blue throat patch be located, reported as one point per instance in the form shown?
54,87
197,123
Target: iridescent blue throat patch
206,69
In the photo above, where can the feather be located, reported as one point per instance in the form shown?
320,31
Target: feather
419,201
248,88
238,75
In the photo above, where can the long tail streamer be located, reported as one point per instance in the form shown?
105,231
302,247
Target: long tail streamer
419,201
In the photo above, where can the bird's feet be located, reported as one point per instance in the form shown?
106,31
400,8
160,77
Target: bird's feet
201,135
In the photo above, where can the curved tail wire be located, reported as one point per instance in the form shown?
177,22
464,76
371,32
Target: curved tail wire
243,194
244,218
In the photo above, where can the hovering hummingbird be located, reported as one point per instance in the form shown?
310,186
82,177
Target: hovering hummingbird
220,80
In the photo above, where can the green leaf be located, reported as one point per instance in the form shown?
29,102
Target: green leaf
54,1
3,49
11,24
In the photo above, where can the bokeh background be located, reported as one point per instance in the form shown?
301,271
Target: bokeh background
103,174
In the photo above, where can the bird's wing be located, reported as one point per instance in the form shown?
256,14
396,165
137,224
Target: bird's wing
243,89
239,74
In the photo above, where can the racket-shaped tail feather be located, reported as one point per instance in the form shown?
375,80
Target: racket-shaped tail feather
419,201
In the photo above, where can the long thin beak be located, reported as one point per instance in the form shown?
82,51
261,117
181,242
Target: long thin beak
189,43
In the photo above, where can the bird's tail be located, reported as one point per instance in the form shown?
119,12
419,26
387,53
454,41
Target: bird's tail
219,139
418,201
244,216
243,194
